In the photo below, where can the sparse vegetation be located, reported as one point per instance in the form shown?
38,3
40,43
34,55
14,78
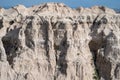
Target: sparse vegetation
95,75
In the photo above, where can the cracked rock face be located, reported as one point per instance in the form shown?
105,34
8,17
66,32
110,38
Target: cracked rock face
54,42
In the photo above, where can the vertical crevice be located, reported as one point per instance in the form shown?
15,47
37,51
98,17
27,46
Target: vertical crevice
61,62
94,50
10,49
1,23
102,65
46,25
29,36
45,34
11,46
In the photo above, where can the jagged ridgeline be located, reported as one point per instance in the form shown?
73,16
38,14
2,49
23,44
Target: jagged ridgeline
52,41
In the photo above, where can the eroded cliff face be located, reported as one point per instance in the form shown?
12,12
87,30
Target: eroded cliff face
54,42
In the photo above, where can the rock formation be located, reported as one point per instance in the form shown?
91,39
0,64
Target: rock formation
54,42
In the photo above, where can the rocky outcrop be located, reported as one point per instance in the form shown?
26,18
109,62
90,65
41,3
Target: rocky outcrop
54,42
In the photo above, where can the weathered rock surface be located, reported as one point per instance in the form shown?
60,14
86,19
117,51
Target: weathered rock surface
54,42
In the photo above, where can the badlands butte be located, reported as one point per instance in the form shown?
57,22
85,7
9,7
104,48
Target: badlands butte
52,41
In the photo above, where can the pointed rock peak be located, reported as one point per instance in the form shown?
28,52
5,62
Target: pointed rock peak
96,10
102,9
20,6
53,4
21,9
2,9
52,8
